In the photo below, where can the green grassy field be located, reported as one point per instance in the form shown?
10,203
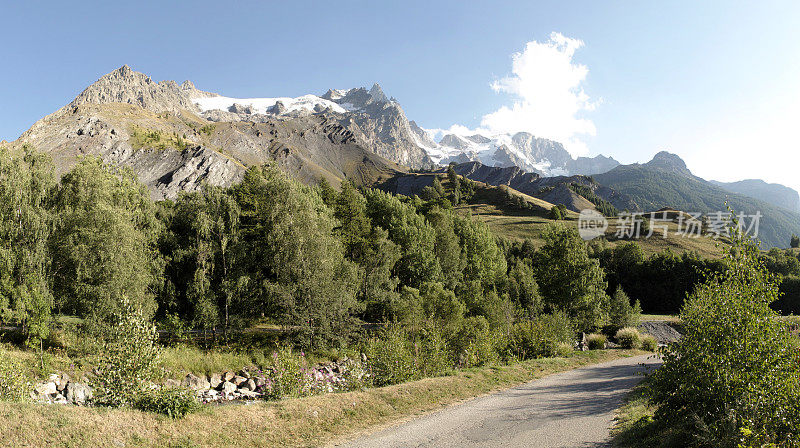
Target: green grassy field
522,225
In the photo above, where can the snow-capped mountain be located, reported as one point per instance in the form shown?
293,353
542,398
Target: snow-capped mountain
524,150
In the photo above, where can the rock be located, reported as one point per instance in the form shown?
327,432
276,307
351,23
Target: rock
195,382
228,376
250,385
239,380
62,382
169,383
47,388
78,393
228,388
215,380
249,394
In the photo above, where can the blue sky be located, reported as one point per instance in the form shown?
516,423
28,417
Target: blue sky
715,82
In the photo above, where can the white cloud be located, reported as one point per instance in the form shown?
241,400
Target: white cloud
547,97
547,92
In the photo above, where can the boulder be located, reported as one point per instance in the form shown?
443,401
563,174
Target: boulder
196,382
47,388
250,385
238,380
228,388
228,376
78,393
215,380
169,383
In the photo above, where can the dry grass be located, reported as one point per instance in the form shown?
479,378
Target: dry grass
312,421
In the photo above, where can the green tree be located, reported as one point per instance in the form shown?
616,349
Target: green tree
295,263
104,246
569,280
795,242
455,184
555,213
621,313
733,378
27,185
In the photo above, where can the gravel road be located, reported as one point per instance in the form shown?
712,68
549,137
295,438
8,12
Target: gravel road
570,409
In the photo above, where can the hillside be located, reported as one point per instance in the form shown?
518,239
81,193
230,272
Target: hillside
774,194
654,185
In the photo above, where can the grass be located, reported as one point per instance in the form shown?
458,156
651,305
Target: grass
311,421
635,427
530,225
672,318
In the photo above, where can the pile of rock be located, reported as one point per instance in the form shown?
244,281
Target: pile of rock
247,384
225,386
61,389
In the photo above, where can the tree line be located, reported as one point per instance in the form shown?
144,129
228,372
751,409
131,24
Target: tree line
315,260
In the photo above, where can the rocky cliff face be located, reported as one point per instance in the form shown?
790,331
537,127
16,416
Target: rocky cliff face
157,129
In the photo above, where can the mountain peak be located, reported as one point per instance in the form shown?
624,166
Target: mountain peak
377,93
667,161
124,85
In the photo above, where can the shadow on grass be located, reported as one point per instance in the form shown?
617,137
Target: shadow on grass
636,427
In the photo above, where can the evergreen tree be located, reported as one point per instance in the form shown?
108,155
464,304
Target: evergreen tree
795,242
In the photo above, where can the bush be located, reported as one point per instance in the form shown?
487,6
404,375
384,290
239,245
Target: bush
628,337
733,379
596,341
129,361
13,386
540,337
432,353
289,375
649,343
172,402
390,359
475,344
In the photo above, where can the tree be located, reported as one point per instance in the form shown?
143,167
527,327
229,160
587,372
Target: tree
733,378
202,249
104,245
621,313
555,213
568,279
795,242
455,184
27,184
295,264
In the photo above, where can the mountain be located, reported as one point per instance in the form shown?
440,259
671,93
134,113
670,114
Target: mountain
524,150
554,189
775,194
175,137
666,182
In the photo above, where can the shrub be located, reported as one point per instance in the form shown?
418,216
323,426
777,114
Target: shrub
596,341
172,402
628,337
540,337
475,344
733,379
649,343
13,386
390,359
432,353
289,375
129,361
